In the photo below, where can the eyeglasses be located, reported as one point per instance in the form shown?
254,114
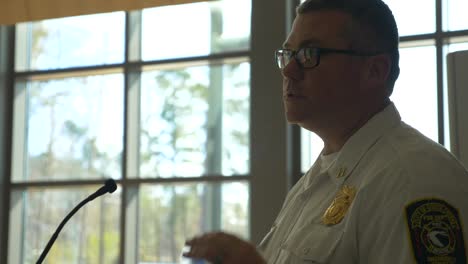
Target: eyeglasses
309,57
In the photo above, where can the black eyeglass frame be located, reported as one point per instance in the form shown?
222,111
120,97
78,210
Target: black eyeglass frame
318,52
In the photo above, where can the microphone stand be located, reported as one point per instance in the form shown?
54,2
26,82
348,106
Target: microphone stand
109,186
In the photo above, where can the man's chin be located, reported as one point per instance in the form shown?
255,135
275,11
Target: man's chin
293,118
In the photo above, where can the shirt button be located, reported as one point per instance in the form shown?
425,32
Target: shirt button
306,250
302,197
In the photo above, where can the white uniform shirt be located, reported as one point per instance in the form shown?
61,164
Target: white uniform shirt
397,173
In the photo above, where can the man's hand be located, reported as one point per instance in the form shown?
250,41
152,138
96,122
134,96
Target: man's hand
223,248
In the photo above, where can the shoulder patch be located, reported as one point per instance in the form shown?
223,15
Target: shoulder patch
436,232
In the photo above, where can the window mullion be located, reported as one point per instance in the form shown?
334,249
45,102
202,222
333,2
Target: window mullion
11,238
440,72
16,206
130,168
213,164
16,232
268,125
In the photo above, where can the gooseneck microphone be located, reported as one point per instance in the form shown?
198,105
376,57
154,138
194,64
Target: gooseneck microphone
109,187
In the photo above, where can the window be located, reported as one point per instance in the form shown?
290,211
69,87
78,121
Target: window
423,49
127,96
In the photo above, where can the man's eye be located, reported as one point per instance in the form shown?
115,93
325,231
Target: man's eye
308,53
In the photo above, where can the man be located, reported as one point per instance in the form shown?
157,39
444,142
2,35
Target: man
380,192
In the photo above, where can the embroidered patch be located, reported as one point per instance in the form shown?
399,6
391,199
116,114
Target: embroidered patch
436,232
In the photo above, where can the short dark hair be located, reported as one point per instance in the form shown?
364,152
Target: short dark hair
373,29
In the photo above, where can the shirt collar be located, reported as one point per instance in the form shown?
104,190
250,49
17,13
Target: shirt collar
361,141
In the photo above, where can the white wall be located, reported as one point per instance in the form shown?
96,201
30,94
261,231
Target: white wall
457,80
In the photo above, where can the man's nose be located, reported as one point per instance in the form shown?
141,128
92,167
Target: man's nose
293,70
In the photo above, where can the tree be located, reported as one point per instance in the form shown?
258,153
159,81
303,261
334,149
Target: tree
167,147
84,157
39,34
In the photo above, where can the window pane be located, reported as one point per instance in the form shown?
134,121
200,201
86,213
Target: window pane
171,214
235,115
405,12
196,29
311,146
91,236
70,42
195,121
235,208
456,45
454,15
74,128
415,93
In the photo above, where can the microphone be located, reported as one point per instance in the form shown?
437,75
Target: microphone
109,187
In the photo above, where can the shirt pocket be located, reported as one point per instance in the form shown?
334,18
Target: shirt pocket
314,243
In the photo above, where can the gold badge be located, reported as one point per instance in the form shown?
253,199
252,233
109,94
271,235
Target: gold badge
337,210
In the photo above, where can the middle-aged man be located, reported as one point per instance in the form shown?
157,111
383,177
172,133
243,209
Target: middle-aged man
380,192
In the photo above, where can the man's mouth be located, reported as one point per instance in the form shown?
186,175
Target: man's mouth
293,96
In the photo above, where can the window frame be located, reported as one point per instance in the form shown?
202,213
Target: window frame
266,169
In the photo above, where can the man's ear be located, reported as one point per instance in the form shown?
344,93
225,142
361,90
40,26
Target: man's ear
378,69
